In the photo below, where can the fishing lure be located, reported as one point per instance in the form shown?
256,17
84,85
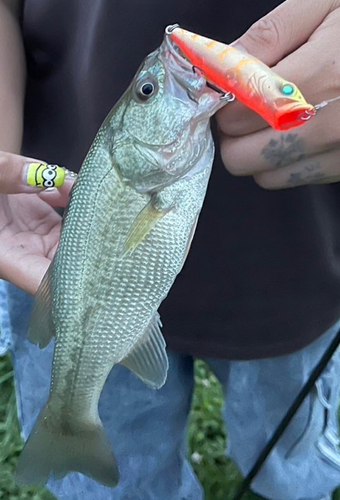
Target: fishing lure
239,74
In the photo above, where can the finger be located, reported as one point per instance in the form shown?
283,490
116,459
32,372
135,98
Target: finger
28,273
281,31
19,174
320,169
58,197
306,69
306,66
262,151
235,120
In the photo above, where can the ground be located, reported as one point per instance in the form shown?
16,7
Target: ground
207,440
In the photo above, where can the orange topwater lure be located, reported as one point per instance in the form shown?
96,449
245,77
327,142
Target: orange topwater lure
279,102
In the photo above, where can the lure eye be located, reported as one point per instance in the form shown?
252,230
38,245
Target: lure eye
146,88
287,89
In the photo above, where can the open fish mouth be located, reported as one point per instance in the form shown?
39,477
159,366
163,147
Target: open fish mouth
183,71
174,49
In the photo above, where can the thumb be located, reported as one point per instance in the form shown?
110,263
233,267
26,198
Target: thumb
19,174
284,29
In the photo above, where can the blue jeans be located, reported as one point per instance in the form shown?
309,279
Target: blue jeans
148,428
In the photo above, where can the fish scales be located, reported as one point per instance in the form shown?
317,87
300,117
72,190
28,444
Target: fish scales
126,308
122,307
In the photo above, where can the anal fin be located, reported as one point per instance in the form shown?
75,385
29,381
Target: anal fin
148,359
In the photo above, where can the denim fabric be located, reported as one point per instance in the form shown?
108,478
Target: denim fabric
147,428
305,464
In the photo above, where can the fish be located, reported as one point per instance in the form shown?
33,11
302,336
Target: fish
253,83
125,236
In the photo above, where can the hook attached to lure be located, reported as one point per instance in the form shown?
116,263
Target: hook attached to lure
253,83
307,115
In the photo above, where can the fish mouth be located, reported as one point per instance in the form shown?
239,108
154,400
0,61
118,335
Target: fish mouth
174,49
293,115
189,78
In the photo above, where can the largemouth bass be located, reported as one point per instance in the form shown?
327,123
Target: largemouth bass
127,231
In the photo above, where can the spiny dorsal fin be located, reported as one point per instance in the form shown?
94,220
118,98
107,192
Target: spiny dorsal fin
148,359
41,328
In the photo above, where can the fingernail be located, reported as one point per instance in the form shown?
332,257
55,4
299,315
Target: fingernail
69,175
44,175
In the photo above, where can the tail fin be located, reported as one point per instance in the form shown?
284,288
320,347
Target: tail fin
62,448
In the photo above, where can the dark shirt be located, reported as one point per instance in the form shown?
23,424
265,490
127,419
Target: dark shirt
263,274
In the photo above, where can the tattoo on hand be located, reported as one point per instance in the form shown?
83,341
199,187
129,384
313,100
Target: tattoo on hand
308,174
285,150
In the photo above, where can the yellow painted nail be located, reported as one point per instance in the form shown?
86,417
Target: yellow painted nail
44,175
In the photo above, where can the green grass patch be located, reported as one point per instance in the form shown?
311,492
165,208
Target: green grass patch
207,440
206,434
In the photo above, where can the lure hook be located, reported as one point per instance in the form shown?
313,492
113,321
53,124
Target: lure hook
308,114
228,97
169,29
196,70
225,96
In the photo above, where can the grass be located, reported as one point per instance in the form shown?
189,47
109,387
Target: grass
207,440
206,436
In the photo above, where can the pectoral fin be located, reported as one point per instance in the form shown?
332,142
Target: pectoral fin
148,359
145,221
41,328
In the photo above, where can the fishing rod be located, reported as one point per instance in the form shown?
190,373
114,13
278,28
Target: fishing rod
288,416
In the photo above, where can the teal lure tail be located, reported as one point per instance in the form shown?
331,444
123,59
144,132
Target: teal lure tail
60,448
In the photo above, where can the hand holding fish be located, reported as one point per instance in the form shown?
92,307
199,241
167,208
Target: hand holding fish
300,40
29,227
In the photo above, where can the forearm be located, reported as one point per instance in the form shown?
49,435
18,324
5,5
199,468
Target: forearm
12,77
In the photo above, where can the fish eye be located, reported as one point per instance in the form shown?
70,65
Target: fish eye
146,88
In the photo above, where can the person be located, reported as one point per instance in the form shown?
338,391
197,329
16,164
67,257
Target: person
259,297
